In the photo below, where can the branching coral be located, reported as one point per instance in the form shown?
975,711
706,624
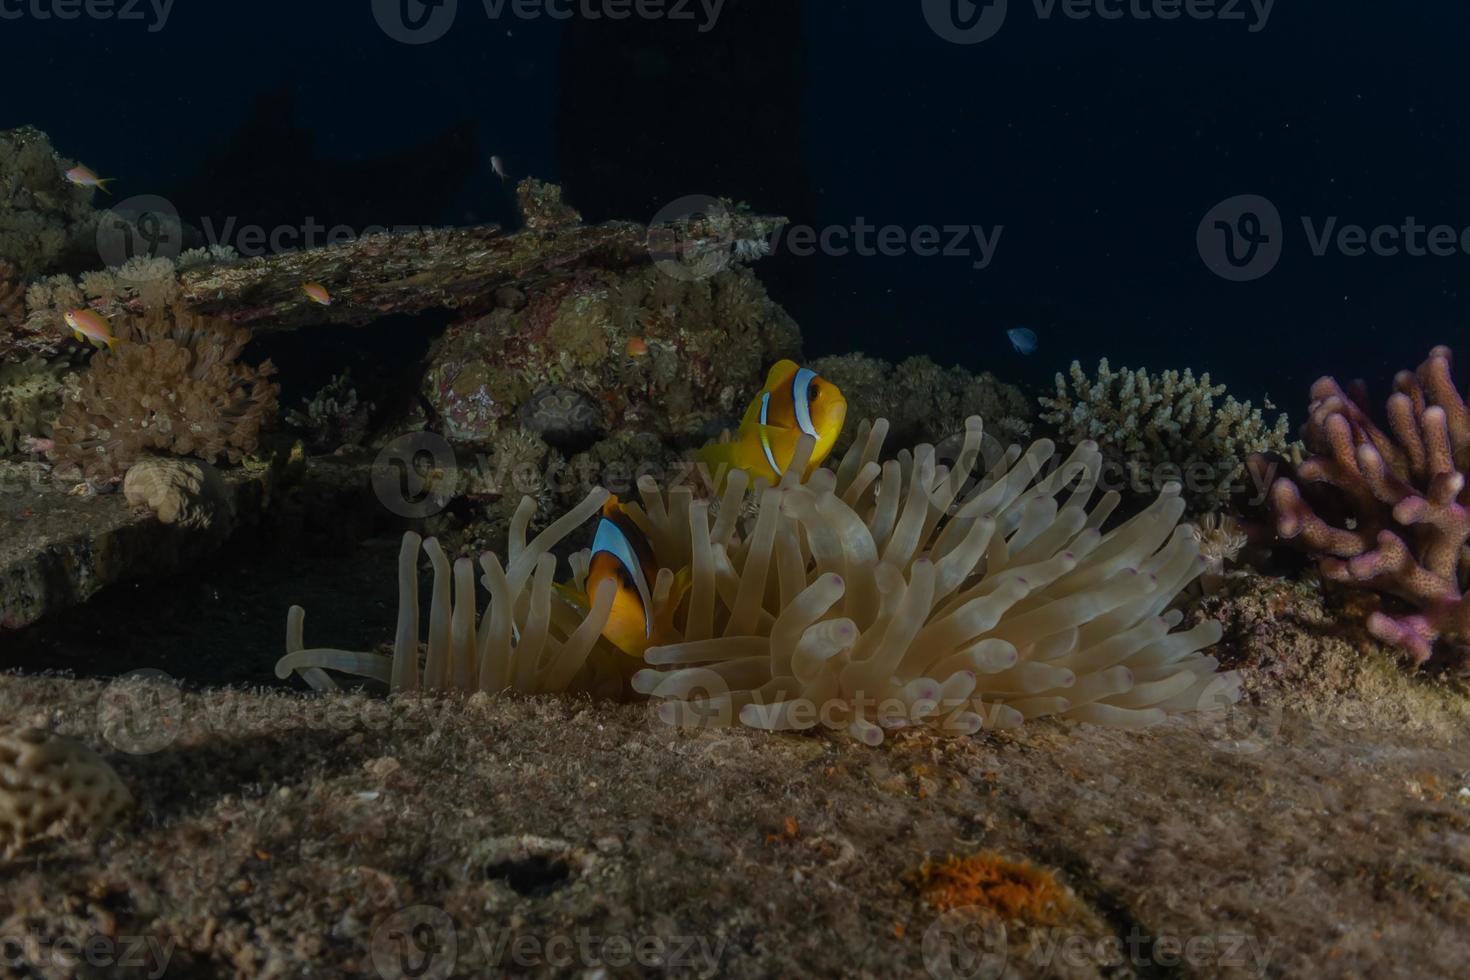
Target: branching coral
334,418
174,384
1163,428
1405,503
876,597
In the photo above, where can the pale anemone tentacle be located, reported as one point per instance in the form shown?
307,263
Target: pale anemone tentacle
915,592
956,595
529,639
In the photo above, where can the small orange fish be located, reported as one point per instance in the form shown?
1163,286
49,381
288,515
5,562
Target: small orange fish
637,347
87,325
84,177
317,293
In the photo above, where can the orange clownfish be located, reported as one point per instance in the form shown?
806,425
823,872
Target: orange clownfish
621,553
795,402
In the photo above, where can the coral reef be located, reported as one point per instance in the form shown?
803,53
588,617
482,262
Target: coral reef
1163,428
922,401
30,400
51,786
174,384
1389,511
542,207
186,492
708,343
334,417
43,219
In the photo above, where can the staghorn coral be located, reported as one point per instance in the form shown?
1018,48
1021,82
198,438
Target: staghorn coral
52,786
1155,429
922,401
875,597
334,418
174,384
1396,505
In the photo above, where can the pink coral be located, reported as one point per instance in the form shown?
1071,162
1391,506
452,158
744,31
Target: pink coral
1404,497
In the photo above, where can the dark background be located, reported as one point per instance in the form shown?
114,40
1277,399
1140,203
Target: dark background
1099,145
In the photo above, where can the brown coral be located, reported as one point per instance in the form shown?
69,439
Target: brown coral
51,785
173,384
1011,889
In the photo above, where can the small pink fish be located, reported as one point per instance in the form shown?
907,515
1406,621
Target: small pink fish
317,293
497,165
84,177
87,325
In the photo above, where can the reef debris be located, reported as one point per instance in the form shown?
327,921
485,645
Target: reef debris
1389,511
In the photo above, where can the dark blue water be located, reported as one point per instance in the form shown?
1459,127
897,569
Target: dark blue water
1089,150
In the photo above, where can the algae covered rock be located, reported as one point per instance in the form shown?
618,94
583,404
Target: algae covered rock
43,218
634,349
922,401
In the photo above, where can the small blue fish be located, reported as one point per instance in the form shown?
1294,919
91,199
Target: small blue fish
1023,340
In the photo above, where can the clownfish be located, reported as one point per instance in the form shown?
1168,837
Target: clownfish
795,402
621,553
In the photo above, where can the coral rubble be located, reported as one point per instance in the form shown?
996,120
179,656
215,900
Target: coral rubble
1157,429
1389,511
174,384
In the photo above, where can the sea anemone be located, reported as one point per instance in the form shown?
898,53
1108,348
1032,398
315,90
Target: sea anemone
870,598
882,597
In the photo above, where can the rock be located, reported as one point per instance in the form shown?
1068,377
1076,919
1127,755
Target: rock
564,417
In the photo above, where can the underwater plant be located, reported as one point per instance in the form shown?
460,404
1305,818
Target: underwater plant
1165,427
1389,511
878,596
175,384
